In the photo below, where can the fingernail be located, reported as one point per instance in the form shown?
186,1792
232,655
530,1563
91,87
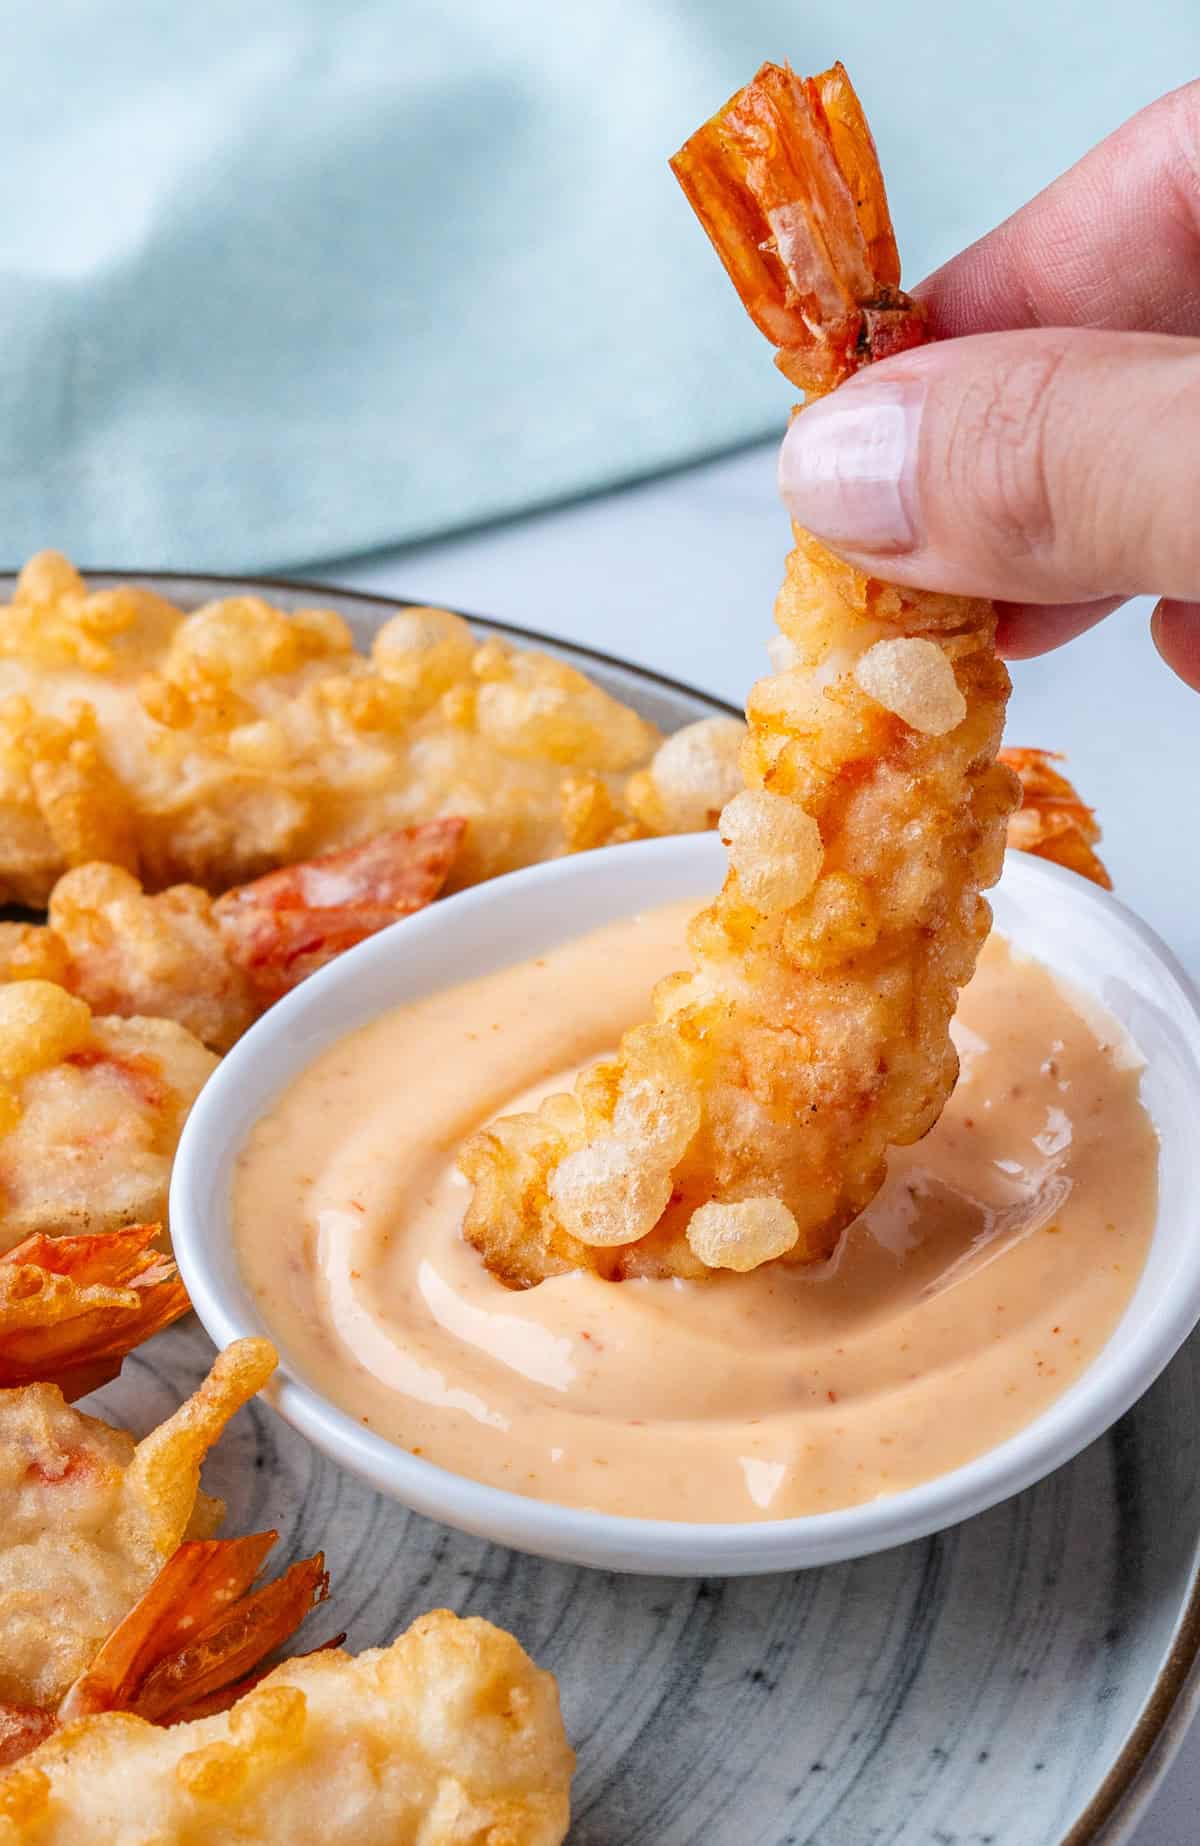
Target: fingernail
847,469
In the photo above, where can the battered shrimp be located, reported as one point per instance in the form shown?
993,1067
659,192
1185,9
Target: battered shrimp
211,747
214,966
88,1517
1052,821
91,1110
449,1737
750,1120
72,1307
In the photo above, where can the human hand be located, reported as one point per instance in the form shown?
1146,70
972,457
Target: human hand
1053,454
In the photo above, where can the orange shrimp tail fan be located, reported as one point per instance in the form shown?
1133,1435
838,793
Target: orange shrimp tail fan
786,182
72,1307
197,1639
1052,821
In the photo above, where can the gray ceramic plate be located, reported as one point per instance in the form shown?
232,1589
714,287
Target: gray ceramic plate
1018,1681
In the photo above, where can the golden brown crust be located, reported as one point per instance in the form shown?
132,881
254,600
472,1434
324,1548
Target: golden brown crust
130,954
449,1737
210,748
91,1111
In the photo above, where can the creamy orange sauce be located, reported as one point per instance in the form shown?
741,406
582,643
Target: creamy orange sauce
977,1287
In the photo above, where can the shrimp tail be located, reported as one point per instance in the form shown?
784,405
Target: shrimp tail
72,1307
193,1644
1052,822
786,182
198,1636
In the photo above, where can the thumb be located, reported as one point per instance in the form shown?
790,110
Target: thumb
1050,466
1176,630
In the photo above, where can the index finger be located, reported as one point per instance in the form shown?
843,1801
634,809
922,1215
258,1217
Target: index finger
1115,242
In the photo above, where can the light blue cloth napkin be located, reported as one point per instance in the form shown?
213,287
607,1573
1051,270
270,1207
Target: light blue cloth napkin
306,277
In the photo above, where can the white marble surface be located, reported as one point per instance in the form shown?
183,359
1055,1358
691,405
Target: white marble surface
679,574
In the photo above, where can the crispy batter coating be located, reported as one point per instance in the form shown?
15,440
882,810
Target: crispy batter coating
90,1113
449,1737
211,747
1052,821
88,1516
72,1307
214,966
129,954
749,1122
61,801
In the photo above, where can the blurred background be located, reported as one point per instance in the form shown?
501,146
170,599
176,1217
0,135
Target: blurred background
294,281
402,293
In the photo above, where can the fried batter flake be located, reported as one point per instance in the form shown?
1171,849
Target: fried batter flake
691,776
54,621
61,801
128,953
89,1516
812,1030
449,1737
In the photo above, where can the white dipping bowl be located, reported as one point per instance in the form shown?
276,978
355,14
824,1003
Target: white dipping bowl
1072,927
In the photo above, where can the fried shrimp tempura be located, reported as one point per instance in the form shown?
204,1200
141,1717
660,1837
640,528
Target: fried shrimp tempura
88,1517
211,747
449,1737
72,1307
1052,821
214,965
90,1113
750,1120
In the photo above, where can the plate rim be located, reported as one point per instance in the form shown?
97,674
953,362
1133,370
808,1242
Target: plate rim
1141,1765
1174,1700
